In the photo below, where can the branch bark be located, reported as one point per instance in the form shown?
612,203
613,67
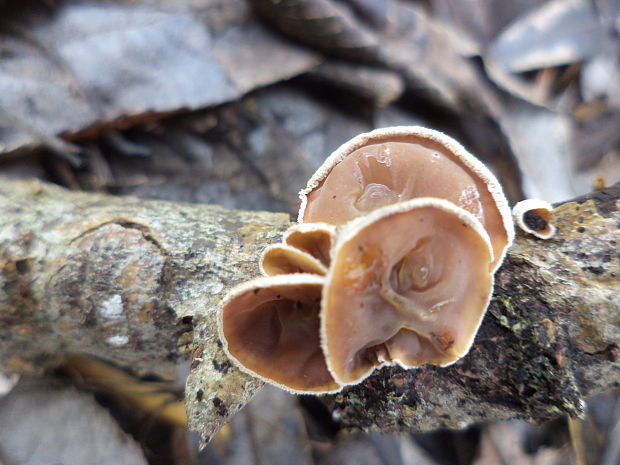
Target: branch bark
127,280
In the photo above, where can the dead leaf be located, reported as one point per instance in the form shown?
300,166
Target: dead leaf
425,52
398,35
102,64
558,33
269,430
595,137
540,140
360,450
326,24
255,154
609,12
379,85
482,20
599,77
504,444
42,423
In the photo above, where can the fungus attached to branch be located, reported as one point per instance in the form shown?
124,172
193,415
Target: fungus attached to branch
392,262
409,284
534,217
284,259
270,329
313,238
391,165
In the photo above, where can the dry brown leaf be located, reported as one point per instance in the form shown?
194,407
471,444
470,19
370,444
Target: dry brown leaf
102,64
557,33
398,35
326,24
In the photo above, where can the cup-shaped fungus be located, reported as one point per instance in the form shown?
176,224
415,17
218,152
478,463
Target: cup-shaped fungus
409,284
315,239
534,217
270,329
284,259
395,164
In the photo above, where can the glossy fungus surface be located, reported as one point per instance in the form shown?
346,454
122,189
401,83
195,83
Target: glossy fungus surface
392,165
408,284
534,217
284,259
270,329
315,239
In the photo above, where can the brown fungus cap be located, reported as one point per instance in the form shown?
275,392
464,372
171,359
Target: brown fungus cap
315,239
391,165
409,284
270,329
534,217
284,259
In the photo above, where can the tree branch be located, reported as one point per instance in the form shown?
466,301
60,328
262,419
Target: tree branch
123,278
126,280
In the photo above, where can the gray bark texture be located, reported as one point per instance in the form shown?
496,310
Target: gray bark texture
125,280
139,283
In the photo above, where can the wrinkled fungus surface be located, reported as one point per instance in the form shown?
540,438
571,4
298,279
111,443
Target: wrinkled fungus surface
416,298
382,174
397,164
315,239
392,262
270,327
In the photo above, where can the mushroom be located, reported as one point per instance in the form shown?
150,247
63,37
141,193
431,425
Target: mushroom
391,165
409,284
392,262
284,259
313,238
269,328
534,217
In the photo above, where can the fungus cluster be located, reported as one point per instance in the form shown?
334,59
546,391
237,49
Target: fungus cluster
400,232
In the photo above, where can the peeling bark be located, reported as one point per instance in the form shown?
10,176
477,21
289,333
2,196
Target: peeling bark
126,280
